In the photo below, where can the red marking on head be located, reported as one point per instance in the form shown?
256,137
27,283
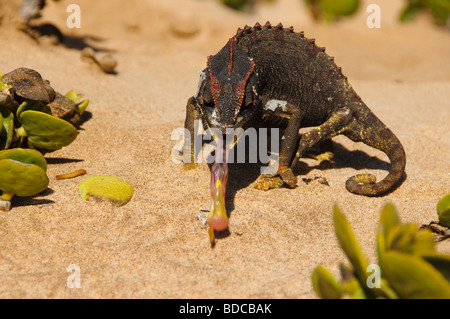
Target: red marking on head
230,63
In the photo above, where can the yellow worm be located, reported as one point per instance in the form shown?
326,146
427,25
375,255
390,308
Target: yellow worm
71,175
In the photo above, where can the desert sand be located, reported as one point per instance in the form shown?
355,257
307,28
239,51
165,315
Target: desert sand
154,247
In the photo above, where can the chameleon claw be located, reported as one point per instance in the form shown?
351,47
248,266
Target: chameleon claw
325,158
289,178
190,166
269,182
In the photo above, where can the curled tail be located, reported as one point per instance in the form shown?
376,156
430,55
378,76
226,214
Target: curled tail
377,135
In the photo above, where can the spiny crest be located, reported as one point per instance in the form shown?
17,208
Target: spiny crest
312,47
258,27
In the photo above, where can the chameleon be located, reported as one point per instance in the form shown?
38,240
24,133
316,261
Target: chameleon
270,74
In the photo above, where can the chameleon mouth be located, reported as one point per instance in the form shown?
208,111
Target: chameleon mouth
220,131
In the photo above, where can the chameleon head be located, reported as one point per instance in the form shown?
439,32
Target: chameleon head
226,96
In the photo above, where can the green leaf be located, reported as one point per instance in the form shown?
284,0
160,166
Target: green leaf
109,188
410,12
444,217
325,285
32,106
381,246
398,235
336,8
46,131
73,96
352,289
412,277
443,210
387,290
350,246
7,127
2,130
81,107
25,156
440,9
236,4
388,220
22,178
440,262
408,238
3,85
423,243
443,204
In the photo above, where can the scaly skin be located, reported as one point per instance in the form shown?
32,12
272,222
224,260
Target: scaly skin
268,74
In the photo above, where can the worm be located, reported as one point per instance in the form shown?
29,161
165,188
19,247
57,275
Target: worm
71,175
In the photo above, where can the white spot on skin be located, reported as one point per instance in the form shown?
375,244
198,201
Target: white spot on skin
254,90
272,105
202,79
214,118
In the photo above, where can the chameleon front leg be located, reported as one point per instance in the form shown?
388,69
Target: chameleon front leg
287,150
192,115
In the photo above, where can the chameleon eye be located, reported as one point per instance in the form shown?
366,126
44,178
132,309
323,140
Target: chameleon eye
248,97
207,99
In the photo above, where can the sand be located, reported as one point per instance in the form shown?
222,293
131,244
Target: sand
154,247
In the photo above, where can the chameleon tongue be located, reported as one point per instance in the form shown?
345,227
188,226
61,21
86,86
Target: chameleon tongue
218,218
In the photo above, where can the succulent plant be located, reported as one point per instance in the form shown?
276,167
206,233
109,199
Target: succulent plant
242,5
409,264
32,115
443,210
23,173
331,10
7,127
439,10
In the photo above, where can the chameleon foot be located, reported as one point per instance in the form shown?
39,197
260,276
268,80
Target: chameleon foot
266,182
324,159
190,166
289,178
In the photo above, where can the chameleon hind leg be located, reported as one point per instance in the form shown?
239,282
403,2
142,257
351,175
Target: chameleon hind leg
333,126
